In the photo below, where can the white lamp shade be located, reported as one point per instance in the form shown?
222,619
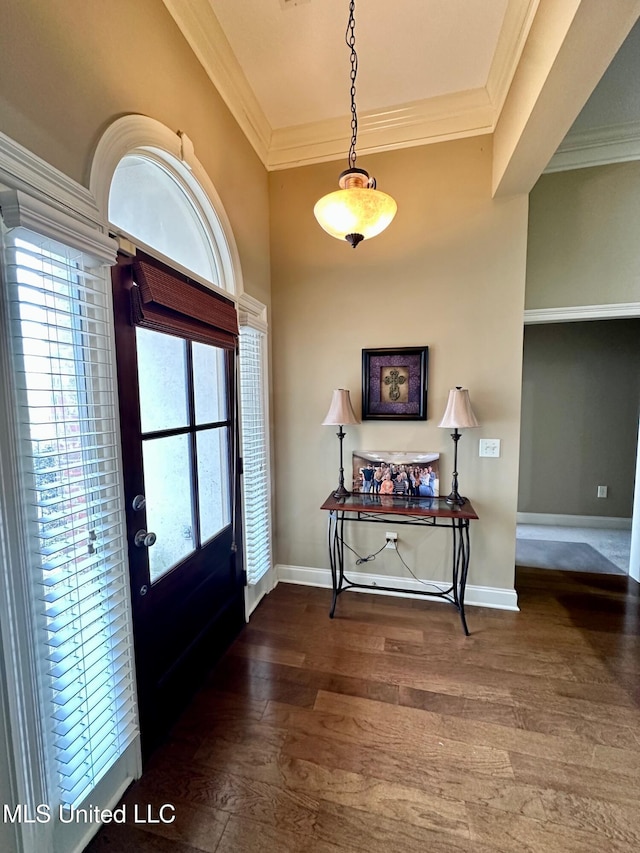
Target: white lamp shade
458,414
355,211
340,411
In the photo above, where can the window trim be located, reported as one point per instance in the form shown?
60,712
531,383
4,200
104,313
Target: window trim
146,137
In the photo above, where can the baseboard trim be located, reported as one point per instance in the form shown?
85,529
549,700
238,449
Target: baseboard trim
476,596
555,520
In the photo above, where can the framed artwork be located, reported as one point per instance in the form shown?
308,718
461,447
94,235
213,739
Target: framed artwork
396,472
394,384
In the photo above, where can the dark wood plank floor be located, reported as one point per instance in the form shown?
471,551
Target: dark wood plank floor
387,730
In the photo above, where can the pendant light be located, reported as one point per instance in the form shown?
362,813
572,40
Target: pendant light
357,210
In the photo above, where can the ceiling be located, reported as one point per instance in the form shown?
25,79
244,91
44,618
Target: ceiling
429,70
295,58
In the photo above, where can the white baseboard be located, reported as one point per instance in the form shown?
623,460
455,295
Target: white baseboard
479,596
554,520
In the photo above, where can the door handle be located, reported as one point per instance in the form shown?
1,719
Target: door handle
142,539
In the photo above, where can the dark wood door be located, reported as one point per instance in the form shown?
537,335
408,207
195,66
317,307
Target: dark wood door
177,418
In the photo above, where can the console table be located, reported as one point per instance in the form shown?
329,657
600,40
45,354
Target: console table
401,509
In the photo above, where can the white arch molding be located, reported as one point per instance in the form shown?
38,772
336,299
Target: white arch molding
138,134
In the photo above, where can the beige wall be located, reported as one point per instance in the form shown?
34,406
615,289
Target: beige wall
583,237
449,273
70,68
580,398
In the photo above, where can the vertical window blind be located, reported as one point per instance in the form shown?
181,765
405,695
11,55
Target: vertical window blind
255,454
59,313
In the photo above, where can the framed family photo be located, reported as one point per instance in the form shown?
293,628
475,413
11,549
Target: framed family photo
394,383
396,472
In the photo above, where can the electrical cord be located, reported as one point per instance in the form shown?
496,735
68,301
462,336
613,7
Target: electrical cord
371,557
360,559
415,577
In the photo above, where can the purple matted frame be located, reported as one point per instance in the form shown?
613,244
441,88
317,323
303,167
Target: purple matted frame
394,384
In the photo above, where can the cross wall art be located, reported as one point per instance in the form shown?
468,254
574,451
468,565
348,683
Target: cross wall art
394,384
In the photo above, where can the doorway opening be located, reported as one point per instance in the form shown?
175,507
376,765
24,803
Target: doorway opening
579,445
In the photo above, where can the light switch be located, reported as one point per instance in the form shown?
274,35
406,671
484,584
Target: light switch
490,447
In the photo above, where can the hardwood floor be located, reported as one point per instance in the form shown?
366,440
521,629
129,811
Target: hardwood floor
387,730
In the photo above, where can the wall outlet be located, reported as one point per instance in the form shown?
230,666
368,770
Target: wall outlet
602,491
489,447
392,539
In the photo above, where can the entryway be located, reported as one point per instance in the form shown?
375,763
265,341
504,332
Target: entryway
579,443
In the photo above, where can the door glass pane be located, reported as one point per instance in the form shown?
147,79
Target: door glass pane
163,380
209,384
213,481
167,481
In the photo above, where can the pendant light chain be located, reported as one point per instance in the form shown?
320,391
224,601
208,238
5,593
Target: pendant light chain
350,38
358,210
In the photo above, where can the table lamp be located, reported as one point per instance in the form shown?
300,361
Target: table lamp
457,415
340,412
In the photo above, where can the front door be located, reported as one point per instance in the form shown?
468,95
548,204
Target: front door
177,412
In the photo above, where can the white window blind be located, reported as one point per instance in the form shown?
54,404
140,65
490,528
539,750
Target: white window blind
255,454
59,314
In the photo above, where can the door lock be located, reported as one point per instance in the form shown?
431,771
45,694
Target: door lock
139,502
142,539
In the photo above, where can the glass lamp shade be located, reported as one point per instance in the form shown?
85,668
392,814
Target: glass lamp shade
357,210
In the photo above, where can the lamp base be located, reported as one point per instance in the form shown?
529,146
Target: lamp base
341,492
455,499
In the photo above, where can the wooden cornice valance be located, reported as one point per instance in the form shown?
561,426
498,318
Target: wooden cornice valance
167,301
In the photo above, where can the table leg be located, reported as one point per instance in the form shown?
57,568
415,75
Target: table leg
456,562
336,556
463,566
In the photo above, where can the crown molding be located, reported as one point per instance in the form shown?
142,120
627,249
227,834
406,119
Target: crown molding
417,123
432,120
200,27
577,313
513,36
598,146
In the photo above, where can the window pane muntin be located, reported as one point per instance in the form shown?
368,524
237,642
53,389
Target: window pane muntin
209,365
